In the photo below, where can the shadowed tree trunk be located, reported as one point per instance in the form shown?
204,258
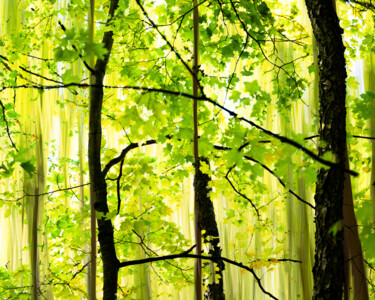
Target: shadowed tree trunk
328,270
97,178
207,222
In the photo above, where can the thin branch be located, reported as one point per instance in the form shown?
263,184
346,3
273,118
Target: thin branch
186,254
363,137
181,16
7,126
121,157
279,179
171,46
47,193
364,4
233,114
79,54
239,193
10,70
41,76
118,188
80,270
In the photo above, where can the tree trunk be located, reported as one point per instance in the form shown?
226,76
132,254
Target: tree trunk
91,271
352,245
207,222
197,229
328,270
97,178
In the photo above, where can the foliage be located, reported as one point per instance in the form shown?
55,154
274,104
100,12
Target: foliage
256,60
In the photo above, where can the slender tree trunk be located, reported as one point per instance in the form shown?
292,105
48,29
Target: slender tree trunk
207,222
93,251
97,179
328,269
198,235
34,247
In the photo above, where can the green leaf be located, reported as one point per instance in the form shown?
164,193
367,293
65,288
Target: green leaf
29,167
64,54
235,95
96,49
252,87
335,228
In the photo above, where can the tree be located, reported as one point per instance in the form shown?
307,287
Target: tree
242,66
329,258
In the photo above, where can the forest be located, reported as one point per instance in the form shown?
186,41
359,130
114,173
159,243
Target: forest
187,149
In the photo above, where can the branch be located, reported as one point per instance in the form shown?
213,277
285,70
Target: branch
79,54
121,157
279,179
181,16
364,4
10,70
47,193
7,126
363,137
118,188
281,138
41,76
186,254
171,46
239,193
233,114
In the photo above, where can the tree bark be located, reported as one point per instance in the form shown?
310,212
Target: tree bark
328,270
91,274
97,177
207,222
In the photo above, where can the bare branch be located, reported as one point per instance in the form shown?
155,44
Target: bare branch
47,193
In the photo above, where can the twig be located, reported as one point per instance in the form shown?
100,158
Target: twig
79,54
239,193
7,126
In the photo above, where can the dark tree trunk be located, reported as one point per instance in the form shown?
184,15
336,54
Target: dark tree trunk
328,270
207,222
97,178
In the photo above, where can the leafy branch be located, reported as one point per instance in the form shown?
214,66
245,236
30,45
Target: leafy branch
7,126
79,54
204,98
172,47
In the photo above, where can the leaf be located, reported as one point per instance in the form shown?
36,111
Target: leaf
235,95
252,87
335,228
63,54
28,167
96,49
